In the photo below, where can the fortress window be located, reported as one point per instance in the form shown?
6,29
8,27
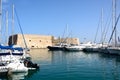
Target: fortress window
40,40
32,46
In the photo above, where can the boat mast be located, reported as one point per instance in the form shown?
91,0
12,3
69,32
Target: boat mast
12,23
0,21
114,21
102,33
6,28
64,34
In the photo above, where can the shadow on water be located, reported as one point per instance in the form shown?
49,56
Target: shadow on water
3,76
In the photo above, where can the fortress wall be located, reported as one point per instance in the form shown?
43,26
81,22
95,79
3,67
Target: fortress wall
33,41
68,40
38,41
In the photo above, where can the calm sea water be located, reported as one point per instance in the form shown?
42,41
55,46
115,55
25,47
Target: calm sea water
59,65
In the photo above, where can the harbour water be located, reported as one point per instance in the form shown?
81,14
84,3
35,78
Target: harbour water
60,65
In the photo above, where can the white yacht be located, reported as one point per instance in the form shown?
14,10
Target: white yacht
75,47
16,66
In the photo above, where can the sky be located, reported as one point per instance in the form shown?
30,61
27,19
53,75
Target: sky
50,17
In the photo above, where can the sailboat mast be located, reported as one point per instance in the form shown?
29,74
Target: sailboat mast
114,20
102,33
6,27
12,23
0,21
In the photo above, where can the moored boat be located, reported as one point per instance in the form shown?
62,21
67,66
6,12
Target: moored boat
59,46
74,48
7,52
3,69
92,48
16,66
114,50
103,50
30,65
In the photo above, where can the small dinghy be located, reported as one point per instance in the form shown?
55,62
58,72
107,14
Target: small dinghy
30,65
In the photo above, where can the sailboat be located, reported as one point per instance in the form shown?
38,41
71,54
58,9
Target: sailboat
114,49
12,49
12,58
95,47
60,45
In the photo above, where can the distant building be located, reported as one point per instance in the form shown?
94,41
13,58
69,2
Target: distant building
38,41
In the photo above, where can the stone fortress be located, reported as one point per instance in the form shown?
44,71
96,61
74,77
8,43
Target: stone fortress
38,41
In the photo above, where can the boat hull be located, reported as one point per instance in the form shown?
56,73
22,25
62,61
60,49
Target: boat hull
3,70
114,51
17,67
103,50
73,49
55,48
90,49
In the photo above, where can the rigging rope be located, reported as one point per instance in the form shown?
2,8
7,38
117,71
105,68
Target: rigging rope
114,28
21,29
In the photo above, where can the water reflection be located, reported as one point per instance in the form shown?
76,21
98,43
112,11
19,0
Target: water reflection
91,65
58,57
31,74
110,65
17,76
41,55
55,57
59,65
115,57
